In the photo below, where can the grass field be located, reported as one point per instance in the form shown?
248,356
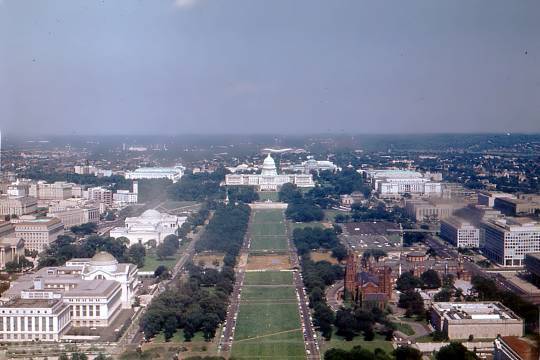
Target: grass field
268,323
271,261
268,293
151,261
268,231
268,278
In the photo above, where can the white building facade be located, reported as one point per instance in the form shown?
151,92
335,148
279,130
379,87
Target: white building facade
269,179
506,241
395,183
151,225
460,233
172,173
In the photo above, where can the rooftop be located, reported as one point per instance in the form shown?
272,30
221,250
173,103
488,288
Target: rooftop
474,311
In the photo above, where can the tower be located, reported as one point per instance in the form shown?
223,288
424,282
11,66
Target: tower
350,275
135,187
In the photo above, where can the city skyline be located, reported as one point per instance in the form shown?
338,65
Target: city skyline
194,67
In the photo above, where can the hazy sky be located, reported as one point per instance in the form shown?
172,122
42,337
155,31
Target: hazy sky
279,66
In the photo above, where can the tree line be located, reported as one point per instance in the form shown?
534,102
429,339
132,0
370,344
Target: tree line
301,208
200,303
312,238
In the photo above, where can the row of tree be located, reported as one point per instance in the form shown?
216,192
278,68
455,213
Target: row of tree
200,304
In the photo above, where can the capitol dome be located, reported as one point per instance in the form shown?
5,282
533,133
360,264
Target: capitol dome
151,214
104,260
269,166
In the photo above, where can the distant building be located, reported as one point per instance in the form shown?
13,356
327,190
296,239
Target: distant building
488,198
172,173
481,320
99,194
516,207
20,205
460,232
312,165
76,216
126,196
151,225
348,200
506,241
59,190
422,209
269,179
38,234
396,183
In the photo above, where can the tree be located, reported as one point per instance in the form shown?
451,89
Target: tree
412,301
407,281
136,254
448,281
170,326
443,295
430,279
102,356
455,351
408,353
79,356
165,250
345,324
162,272
172,241
84,229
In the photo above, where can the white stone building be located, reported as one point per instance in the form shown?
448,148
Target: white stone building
460,232
395,183
171,173
507,240
38,234
269,179
151,225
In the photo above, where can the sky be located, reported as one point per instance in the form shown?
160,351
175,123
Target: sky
272,66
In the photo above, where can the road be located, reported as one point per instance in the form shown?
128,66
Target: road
310,335
227,335
332,295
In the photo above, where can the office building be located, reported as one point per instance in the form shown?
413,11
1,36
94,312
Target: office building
56,191
506,241
517,207
430,210
460,232
38,234
395,183
172,173
11,248
312,165
20,205
268,179
76,216
481,320
487,198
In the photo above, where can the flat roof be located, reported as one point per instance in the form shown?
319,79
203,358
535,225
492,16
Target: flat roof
31,303
474,311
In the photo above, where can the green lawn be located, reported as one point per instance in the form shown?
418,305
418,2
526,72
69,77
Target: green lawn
287,345
151,262
268,229
268,278
268,195
404,328
273,293
264,216
265,319
339,343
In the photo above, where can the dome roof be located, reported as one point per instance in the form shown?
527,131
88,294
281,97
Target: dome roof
269,163
151,214
103,258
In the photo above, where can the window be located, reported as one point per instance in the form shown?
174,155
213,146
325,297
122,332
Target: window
51,323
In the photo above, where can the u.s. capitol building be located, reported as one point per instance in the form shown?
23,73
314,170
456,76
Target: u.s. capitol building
269,179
